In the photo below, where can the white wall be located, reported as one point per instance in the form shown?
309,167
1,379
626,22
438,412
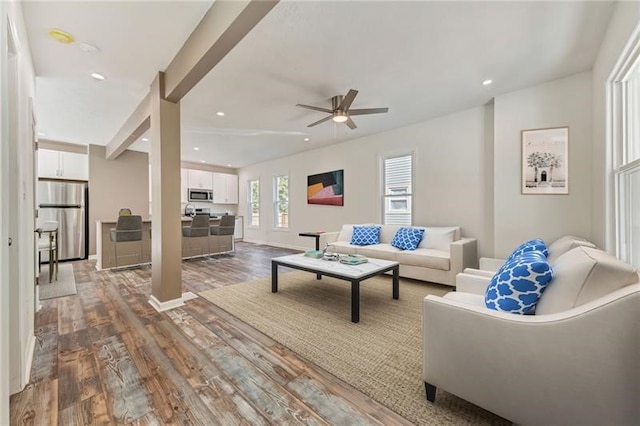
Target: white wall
563,102
449,180
625,19
18,300
467,173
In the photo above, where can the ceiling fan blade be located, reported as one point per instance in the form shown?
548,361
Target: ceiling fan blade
347,100
328,111
321,121
368,111
350,123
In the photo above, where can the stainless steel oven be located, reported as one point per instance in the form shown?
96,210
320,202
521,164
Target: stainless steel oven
201,195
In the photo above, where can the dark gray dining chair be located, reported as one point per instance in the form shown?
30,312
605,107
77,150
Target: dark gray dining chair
227,226
128,229
199,229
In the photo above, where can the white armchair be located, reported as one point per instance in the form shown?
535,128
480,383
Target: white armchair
576,361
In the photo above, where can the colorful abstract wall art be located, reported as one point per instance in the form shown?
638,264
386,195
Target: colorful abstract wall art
326,188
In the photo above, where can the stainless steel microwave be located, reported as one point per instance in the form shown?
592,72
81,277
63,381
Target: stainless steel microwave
202,195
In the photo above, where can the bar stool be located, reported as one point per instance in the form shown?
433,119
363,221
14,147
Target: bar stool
227,226
128,229
199,228
49,244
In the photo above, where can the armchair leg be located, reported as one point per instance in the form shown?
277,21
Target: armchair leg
431,392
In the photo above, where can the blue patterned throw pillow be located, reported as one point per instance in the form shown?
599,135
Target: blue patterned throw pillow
535,244
407,238
519,283
365,235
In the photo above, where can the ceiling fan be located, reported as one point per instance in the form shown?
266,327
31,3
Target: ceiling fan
340,112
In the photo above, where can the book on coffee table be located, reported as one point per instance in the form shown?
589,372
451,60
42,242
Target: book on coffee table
353,259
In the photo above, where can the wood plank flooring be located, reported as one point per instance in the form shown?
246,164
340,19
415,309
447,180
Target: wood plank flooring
105,356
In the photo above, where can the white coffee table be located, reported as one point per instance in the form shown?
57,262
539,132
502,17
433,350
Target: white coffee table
352,273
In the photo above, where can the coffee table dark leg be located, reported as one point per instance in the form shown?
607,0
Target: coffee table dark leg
274,277
355,301
396,282
318,276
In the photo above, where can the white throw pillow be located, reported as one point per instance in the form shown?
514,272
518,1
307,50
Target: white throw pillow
438,238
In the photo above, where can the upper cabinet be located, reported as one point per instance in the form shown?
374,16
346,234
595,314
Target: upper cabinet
200,179
62,165
225,188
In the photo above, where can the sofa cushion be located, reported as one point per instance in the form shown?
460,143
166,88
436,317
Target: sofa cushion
426,258
343,247
365,235
439,238
564,244
519,283
535,244
407,238
388,232
582,275
379,251
346,232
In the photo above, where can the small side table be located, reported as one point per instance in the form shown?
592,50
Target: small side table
315,235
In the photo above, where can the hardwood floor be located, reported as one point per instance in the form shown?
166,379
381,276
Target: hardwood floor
105,356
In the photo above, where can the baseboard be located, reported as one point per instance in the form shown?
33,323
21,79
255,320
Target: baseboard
31,347
171,304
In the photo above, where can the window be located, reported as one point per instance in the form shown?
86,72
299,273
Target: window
397,188
281,201
626,121
253,202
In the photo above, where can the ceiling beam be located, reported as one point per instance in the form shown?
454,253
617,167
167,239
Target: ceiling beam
219,31
135,126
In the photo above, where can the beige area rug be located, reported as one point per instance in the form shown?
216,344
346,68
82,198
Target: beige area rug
381,355
65,285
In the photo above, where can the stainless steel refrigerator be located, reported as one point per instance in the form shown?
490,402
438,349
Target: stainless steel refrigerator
65,202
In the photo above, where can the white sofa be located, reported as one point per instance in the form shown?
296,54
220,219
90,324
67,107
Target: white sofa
574,362
441,255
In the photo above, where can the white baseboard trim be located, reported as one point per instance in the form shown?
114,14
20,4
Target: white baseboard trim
31,347
171,304
93,257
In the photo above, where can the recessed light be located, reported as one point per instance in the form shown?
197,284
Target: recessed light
307,139
89,48
202,161
97,76
228,165
145,140
61,36
196,149
487,82
220,113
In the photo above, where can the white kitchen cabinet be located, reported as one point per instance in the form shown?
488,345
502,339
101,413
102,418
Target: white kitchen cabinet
200,179
62,165
225,188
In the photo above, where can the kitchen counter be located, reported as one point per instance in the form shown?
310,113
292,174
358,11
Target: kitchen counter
128,251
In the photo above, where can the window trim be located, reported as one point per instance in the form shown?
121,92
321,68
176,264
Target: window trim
276,203
250,203
384,197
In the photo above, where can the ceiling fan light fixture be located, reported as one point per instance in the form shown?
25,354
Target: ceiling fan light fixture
340,117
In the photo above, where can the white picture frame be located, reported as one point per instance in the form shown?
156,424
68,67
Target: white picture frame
545,161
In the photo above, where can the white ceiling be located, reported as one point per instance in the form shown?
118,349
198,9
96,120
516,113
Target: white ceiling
420,59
